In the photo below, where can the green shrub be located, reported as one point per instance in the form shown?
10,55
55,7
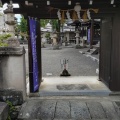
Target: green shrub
3,38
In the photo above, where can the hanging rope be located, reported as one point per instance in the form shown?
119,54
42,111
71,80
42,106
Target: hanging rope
63,17
75,16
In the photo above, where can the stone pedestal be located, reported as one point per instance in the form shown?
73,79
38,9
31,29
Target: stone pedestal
77,38
12,69
82,42
54,40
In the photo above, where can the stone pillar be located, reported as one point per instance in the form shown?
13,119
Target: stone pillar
77,37
12,69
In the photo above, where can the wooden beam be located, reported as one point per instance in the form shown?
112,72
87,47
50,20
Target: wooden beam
45,10
64,2
94,16
53,15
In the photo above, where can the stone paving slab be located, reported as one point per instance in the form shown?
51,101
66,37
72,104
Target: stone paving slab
68,119
46,110
29,109
62,119
109,110
117,107
96,110
79,110
62,110
37,109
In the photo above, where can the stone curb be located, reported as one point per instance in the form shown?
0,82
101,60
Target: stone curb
3,111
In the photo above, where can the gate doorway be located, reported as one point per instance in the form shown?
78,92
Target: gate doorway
83,79
109,71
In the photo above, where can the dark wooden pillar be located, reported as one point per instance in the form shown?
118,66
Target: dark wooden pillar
100,51
38,46
30,58
59,31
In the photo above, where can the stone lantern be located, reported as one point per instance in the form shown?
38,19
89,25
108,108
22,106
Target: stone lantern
10,22
54,37
77,24
10,19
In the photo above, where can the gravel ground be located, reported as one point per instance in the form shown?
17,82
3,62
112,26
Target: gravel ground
79,65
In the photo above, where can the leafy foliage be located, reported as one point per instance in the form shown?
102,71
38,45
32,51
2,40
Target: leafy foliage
55,25
11,109
47,35
2,38
43,22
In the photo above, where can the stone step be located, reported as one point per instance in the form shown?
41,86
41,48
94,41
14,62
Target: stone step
67,119
3,111
43,109
76,93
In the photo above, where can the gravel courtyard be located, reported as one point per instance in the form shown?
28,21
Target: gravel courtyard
79,65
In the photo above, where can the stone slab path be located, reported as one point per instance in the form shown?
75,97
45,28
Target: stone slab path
70,109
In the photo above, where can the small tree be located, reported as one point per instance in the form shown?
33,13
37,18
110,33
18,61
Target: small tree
54,23
22,27
43,22
48,37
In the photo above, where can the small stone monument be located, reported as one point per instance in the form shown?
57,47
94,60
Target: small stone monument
54,37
